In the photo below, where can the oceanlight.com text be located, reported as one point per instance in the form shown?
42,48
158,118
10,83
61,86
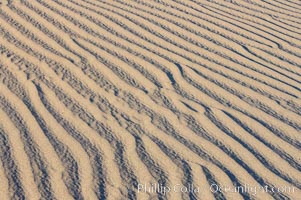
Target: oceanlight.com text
214,188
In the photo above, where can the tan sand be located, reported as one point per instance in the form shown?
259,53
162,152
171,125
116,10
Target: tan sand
150,99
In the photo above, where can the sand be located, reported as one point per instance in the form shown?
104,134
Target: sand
150,99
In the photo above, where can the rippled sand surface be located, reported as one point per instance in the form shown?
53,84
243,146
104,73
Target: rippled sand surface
150,99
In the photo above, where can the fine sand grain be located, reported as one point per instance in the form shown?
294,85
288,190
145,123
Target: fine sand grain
150,99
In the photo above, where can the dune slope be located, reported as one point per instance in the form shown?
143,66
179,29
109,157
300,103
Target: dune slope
109,99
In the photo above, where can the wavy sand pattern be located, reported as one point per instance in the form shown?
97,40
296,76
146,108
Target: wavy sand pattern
128,99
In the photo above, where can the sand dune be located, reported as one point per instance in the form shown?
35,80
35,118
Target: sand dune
150,99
